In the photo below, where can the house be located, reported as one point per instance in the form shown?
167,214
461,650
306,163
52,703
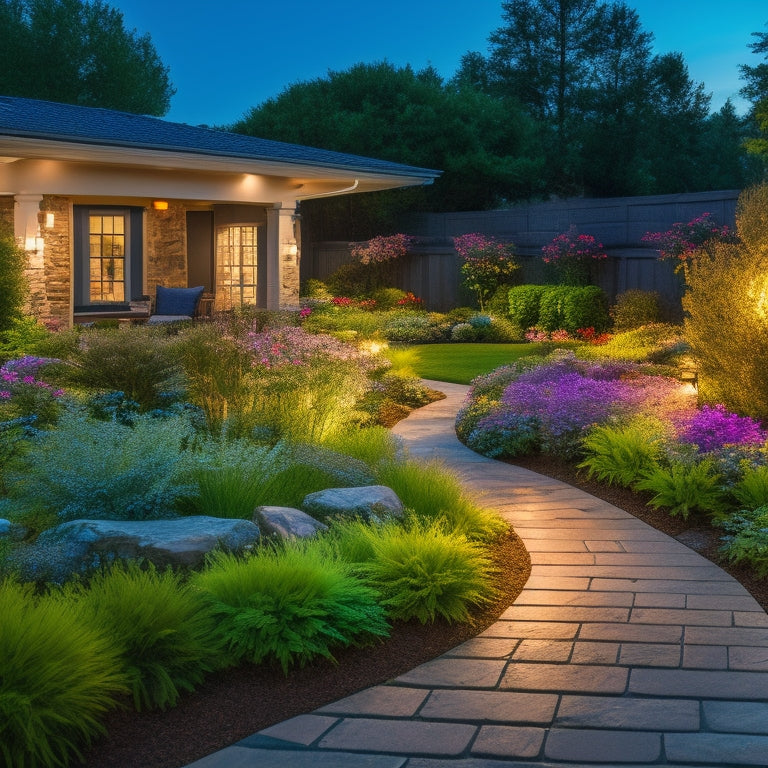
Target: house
108,205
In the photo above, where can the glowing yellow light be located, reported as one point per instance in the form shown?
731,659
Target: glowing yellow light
160,205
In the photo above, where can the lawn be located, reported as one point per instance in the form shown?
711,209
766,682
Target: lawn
460,363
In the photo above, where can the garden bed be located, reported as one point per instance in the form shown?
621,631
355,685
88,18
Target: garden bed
237,703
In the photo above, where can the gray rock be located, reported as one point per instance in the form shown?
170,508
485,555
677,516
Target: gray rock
80,545
5,527
286,523
369,502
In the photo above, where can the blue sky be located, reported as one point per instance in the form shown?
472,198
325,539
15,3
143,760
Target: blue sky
228,56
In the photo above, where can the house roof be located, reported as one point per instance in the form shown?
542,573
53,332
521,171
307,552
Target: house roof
44,124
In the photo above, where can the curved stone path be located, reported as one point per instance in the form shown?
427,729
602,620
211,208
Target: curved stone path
625,648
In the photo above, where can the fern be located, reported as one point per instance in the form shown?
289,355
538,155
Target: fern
620,455
747,539
752,490
684,488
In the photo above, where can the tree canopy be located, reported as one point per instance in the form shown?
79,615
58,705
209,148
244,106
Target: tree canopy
79,52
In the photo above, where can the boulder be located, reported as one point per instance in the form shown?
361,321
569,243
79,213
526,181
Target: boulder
79,545
5,527
286,523
369,502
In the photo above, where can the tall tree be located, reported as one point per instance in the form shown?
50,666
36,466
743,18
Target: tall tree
756,91
487,153
79,52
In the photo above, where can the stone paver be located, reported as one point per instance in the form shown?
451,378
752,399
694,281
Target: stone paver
625,648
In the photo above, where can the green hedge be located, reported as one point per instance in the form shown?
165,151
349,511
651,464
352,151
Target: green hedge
556,307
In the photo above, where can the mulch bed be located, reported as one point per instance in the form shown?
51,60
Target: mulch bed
241,701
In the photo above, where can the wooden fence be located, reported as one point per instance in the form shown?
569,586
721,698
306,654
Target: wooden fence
431,270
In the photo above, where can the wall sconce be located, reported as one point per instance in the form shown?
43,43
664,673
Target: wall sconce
160,205
292,249
50,220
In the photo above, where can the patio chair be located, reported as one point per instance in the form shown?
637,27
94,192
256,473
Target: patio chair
173,305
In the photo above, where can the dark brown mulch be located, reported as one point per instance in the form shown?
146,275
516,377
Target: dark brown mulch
239,702
695,532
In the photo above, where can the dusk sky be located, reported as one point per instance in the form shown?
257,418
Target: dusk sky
228,56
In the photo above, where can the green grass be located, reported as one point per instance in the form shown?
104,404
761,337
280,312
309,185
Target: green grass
460,363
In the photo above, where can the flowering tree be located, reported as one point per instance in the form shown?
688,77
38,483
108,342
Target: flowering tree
571,255
382,248
487,264
682,241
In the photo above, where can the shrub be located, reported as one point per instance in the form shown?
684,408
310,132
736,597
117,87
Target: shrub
415,327
486,264
658,343
552,307
104,470
164,631
425,571
635,308
622,454
388,298
289,605
13,282
585,307
137,361
747,539
726,310
24,393
464,332
712,427
751,491
58,676
406,390
684,488
570,256
315,289
524,304
502,434
432,492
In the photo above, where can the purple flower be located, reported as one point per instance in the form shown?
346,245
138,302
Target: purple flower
713,427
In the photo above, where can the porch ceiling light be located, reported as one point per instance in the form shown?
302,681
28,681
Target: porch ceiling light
160,205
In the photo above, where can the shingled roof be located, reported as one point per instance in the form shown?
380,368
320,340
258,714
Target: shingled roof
50,121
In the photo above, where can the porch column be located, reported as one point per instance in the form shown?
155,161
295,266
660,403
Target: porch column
26,224
282,256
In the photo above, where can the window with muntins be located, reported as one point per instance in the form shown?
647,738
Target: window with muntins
236,265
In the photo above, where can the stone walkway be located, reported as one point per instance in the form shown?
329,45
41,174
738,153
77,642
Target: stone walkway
625,648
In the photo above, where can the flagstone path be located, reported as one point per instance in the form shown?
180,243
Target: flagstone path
625,648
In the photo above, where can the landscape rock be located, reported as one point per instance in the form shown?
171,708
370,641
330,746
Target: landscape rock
79,545
286,523
5,527
369,502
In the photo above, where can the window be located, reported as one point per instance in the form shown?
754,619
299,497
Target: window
236,265
108,257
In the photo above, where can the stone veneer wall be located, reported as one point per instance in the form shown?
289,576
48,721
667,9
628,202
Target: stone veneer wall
166,248
50,282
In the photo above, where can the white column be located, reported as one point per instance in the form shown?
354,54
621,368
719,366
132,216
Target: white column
26,225
282,256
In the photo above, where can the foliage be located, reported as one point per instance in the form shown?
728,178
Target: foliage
58,677
288,605
432,492
571,254
746,539
504,434
486,264
382,248
684,241
138,361
103,470
713,427
79,52
164,631
423,571
622,454
23,394
634,309
751,491
569,308
411,327
726,311
684,488
13,281
658,342
487,150
372,445
524,304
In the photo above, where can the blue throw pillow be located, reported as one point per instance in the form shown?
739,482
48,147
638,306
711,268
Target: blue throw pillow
177,301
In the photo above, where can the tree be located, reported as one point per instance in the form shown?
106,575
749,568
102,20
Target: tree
756,91
486,149
79,52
